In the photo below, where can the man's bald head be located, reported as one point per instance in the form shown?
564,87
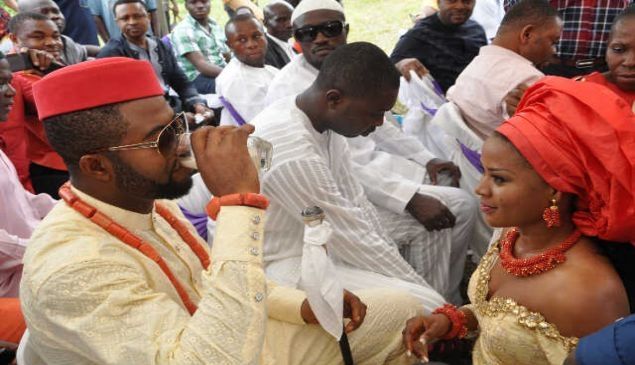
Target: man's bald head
47,8
278,19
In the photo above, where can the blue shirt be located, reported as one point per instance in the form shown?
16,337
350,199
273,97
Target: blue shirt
612,345
80,25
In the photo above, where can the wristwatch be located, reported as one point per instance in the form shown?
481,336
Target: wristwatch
313,216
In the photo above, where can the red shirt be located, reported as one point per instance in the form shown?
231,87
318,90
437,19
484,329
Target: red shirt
598,78
38,149
13,143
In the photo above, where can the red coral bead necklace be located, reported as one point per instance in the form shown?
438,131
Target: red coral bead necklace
534,265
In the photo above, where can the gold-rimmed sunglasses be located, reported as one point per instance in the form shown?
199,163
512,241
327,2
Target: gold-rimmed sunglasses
166,143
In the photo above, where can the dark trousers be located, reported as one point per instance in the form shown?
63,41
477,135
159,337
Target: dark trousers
204,84
47,180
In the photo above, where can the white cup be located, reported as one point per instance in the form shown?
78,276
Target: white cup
260,151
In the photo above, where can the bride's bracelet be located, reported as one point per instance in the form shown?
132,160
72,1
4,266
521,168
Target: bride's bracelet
457,319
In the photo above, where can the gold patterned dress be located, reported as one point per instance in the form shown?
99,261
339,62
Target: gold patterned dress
510,334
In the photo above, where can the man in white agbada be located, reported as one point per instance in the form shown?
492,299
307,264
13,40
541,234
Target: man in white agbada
244,82
312,166
392,177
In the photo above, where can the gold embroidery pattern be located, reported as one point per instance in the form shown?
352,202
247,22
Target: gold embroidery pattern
526,318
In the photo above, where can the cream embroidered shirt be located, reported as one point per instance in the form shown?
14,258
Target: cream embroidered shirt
90,299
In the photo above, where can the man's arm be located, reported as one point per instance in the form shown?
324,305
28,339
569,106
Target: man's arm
91,50
391,139
300,183
96,10
207,69
154,23
101,28
11,251
111,301
179,82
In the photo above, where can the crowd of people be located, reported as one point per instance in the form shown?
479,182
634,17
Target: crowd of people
310,226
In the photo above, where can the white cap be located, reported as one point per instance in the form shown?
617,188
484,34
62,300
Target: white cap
307,6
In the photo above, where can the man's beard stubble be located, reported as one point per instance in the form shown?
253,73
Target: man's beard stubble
130,181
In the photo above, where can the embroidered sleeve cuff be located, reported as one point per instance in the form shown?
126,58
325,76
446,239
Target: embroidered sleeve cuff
239,234
284,303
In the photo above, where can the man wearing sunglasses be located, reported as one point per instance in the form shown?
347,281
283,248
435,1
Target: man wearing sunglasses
116,275
396,170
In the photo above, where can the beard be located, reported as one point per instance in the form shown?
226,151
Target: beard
130,181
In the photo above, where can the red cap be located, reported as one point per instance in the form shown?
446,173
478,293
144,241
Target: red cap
95,83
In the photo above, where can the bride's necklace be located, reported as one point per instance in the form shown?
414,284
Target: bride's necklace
534,265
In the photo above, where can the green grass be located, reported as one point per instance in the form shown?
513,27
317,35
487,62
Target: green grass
375,21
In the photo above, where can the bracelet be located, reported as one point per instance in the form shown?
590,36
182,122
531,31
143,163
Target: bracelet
458,320
247,199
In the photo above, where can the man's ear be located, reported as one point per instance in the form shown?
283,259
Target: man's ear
13,38
97,167
347,28
333,98
526,34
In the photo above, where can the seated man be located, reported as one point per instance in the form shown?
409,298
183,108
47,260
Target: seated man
444,42
279,31
71,52
390,165
313,166
243,84
132,19
119,273
525,40
199,44
37,33
20,211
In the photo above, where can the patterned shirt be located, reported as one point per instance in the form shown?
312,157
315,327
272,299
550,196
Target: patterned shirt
587,25
190,36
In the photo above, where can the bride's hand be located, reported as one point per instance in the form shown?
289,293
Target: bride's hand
422,330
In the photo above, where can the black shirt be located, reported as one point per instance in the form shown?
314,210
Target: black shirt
444,50
275,55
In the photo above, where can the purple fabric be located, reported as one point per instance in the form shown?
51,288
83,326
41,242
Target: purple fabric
438,89
430,111
472,156
232,111
199,221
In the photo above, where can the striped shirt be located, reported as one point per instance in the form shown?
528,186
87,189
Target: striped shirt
311,168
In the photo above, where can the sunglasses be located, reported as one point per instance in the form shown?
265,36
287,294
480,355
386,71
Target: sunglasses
166,143
329,29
